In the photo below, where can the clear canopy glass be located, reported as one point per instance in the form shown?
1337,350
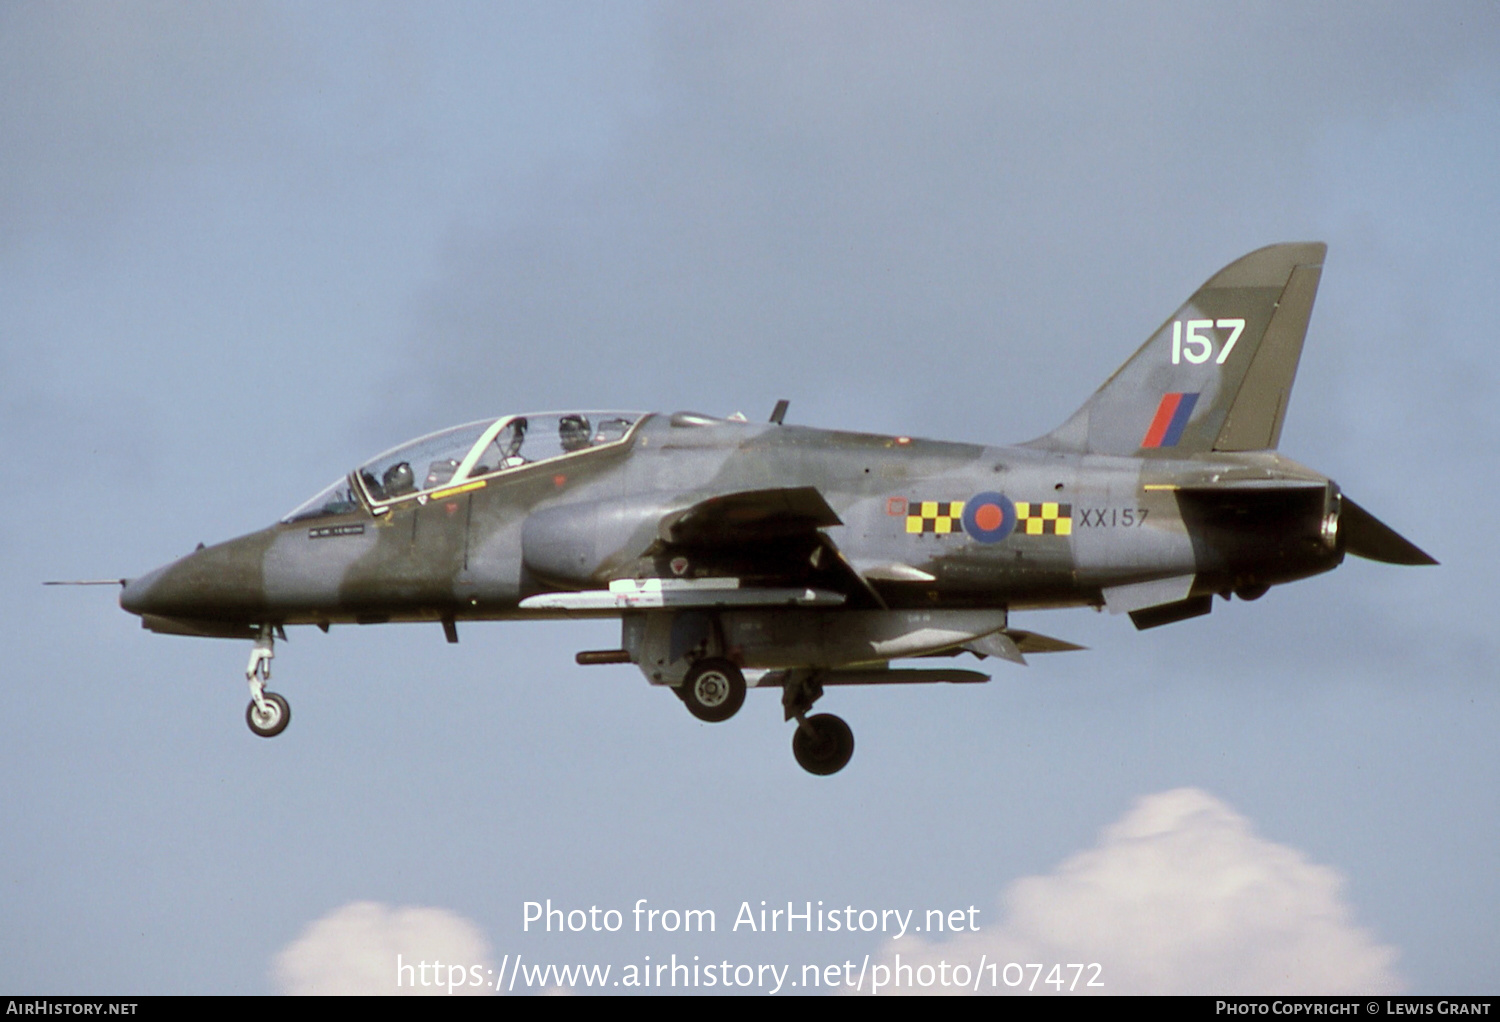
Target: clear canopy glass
424,464
469,452
337,499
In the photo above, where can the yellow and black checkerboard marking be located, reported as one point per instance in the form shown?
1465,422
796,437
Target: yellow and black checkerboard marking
1047,518
940,517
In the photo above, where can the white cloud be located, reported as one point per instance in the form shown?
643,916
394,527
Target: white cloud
1179,897
354,949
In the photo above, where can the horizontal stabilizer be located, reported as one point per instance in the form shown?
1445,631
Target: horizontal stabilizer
1364,535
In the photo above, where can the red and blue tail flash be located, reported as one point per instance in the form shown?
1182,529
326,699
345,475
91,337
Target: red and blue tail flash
1170,420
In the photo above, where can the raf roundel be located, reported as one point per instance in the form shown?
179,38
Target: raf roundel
989,517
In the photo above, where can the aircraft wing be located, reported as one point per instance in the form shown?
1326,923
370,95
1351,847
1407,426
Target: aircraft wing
769,538
750,516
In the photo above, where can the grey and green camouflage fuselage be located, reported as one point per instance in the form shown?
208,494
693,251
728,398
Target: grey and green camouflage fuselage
817,556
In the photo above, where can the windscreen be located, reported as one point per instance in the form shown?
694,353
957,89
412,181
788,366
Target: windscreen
337,499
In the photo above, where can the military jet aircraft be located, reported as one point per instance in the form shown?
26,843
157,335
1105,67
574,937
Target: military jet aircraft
769,555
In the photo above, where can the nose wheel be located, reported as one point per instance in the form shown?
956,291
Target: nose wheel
270,717
268,713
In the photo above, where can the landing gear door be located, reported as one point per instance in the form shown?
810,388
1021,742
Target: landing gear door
666,643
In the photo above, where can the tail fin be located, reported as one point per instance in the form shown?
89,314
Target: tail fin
1218,374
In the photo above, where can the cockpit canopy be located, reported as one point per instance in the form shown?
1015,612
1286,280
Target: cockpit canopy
460,455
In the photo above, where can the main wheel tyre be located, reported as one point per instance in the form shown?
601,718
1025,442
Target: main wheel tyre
827,749
713,690
277,715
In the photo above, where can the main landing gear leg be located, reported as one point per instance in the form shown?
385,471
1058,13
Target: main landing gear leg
268,714
822,744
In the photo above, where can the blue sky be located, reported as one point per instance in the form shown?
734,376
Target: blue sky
246,246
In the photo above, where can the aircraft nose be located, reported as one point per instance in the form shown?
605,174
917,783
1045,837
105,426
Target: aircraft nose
222,582
137,596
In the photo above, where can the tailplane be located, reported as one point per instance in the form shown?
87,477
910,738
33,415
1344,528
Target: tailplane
1364,535
1217,375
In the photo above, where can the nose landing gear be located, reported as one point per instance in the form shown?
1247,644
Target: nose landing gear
268,713
270,716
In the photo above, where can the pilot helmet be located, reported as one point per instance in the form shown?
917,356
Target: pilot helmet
398,479
440,472
573,432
